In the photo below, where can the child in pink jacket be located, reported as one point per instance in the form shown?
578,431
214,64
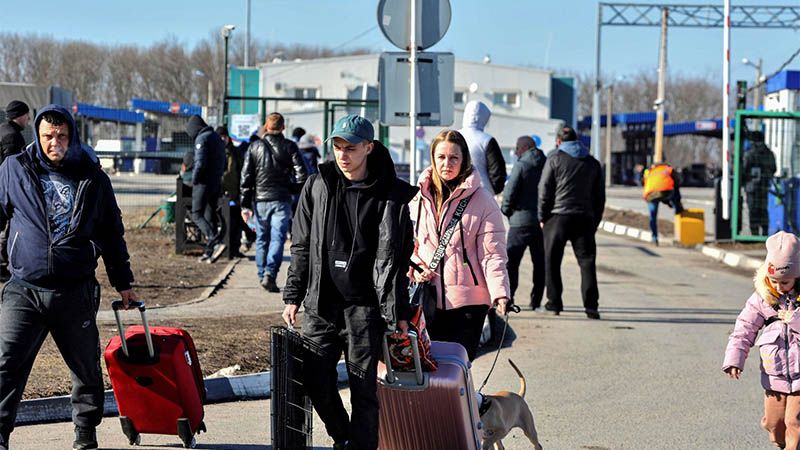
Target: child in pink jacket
472,276
773,309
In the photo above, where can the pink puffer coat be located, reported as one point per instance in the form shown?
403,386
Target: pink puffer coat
779,342
473,270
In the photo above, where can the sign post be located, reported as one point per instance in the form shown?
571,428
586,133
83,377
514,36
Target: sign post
413,25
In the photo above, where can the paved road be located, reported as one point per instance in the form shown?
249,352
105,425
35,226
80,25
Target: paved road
646,376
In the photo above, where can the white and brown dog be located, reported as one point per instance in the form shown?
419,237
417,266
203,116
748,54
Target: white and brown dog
503,411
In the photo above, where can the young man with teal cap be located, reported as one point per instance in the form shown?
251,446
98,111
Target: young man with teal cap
352,220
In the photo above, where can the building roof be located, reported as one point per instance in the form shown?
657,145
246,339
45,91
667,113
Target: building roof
788,79
107,114
175,108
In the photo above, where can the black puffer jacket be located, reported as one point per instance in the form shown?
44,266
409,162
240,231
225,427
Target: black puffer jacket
11,140
209,158
395,239
572,184
273,169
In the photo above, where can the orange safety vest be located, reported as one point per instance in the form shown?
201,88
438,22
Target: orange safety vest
658,179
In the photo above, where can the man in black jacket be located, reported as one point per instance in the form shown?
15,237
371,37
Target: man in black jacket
207,168
63,216
352,220
11,142
572,197
273,170
520,198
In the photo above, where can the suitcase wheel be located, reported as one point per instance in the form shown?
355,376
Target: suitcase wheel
134,438
186,434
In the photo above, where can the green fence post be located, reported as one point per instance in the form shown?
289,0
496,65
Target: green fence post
735,191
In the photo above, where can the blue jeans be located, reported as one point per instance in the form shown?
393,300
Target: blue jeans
672,199
272,223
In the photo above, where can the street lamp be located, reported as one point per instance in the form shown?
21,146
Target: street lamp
226,34
759,81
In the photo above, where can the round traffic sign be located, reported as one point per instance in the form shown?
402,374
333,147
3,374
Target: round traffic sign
432,21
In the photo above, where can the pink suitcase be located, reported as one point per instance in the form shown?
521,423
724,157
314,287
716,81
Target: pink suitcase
429,410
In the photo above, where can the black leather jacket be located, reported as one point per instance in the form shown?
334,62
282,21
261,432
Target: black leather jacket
273,169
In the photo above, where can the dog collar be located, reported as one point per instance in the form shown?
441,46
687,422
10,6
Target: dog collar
486,403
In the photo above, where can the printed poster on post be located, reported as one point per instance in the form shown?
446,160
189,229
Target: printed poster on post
243,126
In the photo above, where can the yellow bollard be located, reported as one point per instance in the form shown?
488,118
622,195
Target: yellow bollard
690,227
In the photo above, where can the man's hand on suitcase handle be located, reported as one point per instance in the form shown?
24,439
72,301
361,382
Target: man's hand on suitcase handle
290,314
128,296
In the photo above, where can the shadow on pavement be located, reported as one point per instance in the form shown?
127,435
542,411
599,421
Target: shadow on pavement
696,316
508,340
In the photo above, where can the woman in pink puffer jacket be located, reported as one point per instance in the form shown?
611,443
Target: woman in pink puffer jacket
773,309
472,275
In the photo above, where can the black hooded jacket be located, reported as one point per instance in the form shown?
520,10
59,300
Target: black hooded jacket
341,231
209,154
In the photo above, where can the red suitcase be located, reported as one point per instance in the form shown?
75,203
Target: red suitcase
429,410
156,379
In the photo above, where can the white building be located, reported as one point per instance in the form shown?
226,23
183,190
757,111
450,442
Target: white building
519,98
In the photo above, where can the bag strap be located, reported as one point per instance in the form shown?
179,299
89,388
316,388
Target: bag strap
444,239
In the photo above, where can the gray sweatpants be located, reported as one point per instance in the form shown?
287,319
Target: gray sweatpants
69,313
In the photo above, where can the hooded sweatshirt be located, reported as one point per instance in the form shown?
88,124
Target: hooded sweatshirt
487,157
61,218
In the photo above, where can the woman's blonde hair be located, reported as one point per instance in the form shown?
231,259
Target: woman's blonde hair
439,184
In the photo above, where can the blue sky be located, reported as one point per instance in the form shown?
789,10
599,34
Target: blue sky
558,35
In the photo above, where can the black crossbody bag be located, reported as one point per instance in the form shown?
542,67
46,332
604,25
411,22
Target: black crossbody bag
424,294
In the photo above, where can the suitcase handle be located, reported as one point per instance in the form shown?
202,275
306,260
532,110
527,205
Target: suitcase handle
390,376
116,305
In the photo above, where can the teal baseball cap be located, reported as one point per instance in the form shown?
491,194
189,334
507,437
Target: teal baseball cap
354,129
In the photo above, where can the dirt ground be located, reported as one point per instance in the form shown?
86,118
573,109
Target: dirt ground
161,277
164,278
636,220
214,339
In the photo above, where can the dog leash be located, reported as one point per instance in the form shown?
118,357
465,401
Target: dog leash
515,309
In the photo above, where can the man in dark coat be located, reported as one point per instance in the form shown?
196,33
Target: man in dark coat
520,198
63,217
757,172
11,142
352,221
230,187
208,166
572,196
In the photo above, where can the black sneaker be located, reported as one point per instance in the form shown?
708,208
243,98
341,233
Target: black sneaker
85,438
268,283
592,314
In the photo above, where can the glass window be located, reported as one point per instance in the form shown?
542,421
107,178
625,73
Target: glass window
458,98
306,92
510,99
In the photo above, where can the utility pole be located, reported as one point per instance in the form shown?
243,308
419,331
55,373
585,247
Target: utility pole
658,155
412,101
247,40
609,123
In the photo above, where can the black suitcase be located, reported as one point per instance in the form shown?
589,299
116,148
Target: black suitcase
292,415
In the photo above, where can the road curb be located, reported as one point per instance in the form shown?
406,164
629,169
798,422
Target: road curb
729,258
218,390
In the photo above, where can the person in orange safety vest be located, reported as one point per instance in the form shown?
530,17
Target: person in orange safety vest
661,185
